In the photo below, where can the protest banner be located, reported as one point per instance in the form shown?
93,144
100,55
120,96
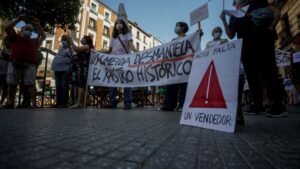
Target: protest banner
211,99
282,58
166,64
199,14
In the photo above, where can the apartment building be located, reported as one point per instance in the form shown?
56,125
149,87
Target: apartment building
97,20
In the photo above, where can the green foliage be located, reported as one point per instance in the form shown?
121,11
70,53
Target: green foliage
51,13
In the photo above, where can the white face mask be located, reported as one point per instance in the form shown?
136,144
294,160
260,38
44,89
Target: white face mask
119,26
217,35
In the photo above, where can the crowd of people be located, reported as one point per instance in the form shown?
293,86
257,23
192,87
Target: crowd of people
19,60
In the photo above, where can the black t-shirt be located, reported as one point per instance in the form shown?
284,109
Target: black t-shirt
244,27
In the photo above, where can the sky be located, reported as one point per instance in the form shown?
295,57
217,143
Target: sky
159,17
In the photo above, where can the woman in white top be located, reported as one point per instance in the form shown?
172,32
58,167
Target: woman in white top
121,43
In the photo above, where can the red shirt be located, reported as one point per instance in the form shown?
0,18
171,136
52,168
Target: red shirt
24,49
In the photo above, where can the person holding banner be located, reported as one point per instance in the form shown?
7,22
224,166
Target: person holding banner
175,93
217,33
121,43
83,56
256,30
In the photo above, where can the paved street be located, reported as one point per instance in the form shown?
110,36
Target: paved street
142,138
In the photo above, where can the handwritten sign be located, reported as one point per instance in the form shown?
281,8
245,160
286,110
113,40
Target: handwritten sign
165,64
199,14
211,99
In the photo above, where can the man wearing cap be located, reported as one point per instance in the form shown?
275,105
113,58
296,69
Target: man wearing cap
22,60
258,51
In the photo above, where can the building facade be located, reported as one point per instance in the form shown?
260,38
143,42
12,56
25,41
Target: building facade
289,25
97,20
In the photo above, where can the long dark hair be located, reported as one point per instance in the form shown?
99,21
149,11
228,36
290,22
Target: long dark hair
124,29
184,25
89,41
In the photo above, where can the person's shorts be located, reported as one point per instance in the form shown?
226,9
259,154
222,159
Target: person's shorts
14,75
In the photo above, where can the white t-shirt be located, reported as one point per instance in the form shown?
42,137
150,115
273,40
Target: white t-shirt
116,45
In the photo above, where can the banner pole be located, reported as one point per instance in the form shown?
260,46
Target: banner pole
223,5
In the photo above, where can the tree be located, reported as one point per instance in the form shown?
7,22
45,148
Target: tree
51,13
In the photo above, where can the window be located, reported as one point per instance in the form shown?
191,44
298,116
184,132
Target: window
106,31
106,16
137,46
144,47
48,44
145,39
138,35
94,8
92,23
105,44
130,28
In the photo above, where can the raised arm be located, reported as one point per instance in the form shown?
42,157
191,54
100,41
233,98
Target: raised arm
230,33
77,48
10,27
40,31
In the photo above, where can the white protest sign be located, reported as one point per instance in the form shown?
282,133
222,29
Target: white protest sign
282,58
166,64
239,13
199,14
211,99
296,57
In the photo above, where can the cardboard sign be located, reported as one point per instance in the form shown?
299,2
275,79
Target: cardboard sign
199,14
211,99
296,57
282,58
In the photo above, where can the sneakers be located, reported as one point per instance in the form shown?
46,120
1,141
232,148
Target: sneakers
254,110
277,111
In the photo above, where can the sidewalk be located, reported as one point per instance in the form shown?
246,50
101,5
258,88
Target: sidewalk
142,138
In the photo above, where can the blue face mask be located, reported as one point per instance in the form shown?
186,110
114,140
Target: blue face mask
177,30
64,44
27,33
